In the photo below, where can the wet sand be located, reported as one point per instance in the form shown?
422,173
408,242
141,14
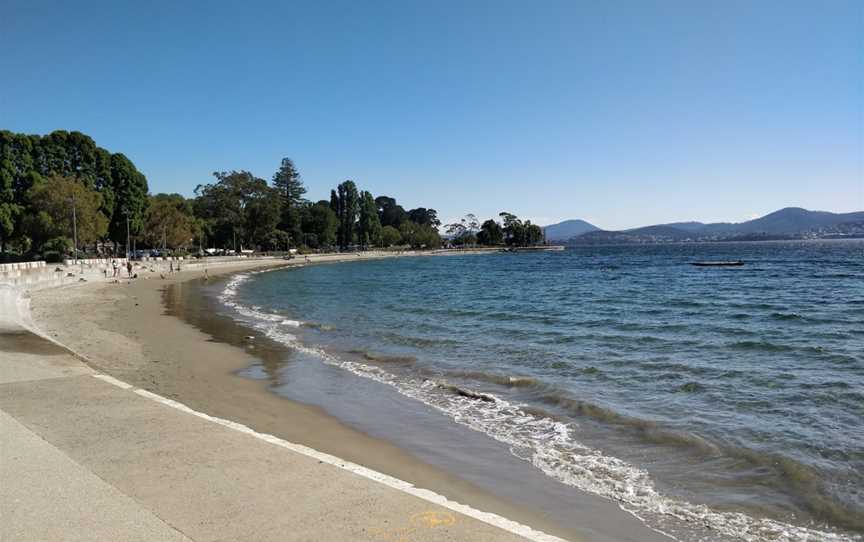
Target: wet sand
125,330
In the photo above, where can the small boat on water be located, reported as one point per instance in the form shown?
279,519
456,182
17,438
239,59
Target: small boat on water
735,263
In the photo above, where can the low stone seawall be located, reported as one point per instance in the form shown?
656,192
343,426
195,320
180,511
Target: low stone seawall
20,266
39,275
18,279
49,275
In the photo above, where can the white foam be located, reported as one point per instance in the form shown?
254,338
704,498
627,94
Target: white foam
228,297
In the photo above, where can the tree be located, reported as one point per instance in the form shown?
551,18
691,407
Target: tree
320,225
390,236
347,209
129,190
239,210
369,226
533,234
26,160
291,190
418,236
261,217
169,221
463,232
518,233
9,209
471,222
512,228
423,216
456,230
389,213
490,234
62,207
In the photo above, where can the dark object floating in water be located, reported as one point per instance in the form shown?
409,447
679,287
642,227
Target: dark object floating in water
718,264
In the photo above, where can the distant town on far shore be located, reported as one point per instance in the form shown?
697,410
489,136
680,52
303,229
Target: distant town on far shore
791,223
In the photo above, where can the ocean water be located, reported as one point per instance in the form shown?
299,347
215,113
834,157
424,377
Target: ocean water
711,403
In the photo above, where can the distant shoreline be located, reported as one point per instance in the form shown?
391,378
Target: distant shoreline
717,242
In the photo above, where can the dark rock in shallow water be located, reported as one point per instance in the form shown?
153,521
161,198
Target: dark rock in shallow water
470,394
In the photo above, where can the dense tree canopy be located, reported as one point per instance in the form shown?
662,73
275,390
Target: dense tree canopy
26,161
347,209
239,211
389,213
62,205
490,234
320,225
390,237
369,226
128,187
424,217
170,222
518,233
419,236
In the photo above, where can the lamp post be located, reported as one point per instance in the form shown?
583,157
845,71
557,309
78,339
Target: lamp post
126,212
74,228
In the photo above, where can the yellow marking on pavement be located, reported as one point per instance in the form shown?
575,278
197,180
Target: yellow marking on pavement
431,519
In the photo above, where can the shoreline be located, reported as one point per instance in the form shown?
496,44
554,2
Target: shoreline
168,356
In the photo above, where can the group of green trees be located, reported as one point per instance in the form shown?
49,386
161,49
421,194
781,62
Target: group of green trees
240,210
43,179
62,185
514,232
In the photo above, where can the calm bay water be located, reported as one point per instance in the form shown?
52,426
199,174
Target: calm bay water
732,398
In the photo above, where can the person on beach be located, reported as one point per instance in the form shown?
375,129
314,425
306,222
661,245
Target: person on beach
129,268
171,268
206,276
116,269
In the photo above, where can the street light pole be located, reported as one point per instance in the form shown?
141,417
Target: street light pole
74,228
127,235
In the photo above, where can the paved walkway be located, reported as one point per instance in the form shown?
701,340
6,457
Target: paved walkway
82,458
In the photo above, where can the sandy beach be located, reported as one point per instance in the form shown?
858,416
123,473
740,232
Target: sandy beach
125,330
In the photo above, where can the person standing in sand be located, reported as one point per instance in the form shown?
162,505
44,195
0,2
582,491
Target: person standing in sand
116,269
129,268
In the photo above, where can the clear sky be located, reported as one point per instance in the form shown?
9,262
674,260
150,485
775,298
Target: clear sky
623,113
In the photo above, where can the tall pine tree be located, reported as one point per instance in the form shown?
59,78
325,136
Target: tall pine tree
291,190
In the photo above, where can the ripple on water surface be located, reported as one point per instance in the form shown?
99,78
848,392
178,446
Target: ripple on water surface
693,397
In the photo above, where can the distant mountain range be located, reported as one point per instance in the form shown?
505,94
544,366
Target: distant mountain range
788,223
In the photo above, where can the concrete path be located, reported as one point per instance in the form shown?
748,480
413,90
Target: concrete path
82,458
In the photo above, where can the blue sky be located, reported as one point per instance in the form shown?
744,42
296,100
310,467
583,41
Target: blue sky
623,113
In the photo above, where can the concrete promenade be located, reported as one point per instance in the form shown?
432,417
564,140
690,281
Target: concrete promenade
84,458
